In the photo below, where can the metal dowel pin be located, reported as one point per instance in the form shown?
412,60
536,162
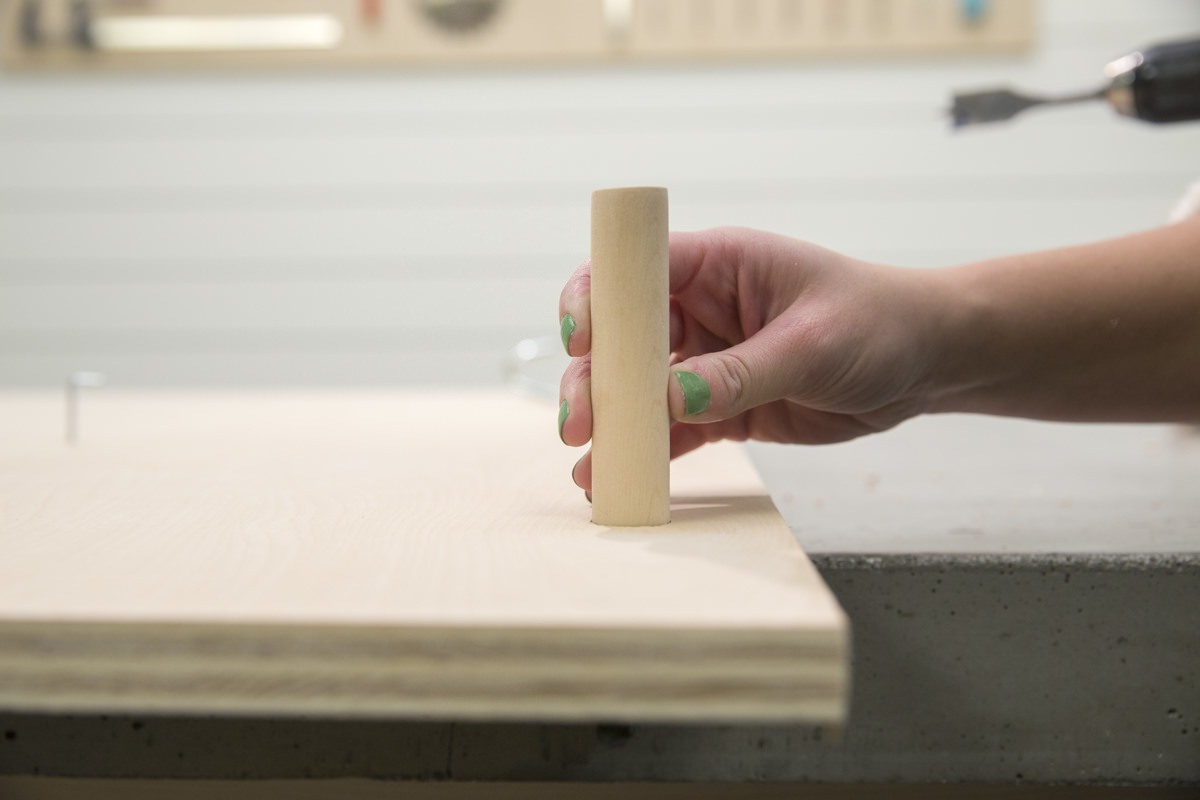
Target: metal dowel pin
75,382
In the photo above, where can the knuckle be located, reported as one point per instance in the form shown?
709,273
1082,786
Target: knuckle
581,281
734,374
579,284
577,371
580,368
725,244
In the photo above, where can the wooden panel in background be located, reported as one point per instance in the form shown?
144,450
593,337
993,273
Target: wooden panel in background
420,554
402,33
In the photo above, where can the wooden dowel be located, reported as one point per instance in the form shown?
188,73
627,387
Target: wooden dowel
631,474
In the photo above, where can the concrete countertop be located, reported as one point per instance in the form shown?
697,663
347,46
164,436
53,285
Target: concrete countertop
962,485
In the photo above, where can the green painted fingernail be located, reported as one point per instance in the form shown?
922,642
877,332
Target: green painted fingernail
566,329
696,393
563,410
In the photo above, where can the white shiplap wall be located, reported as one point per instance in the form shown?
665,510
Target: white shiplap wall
408,227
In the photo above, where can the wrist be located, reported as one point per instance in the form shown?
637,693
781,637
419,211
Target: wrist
964,340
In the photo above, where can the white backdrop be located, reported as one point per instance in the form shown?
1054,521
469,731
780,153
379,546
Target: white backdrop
408,227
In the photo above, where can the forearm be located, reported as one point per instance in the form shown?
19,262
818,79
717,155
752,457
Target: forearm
1102,332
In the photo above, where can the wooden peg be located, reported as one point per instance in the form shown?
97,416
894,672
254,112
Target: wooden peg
631,473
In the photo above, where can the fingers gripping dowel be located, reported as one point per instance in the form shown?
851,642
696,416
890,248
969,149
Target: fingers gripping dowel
630,350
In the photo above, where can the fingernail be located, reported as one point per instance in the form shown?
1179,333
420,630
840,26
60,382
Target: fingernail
696,393
563,410
566,328
577,463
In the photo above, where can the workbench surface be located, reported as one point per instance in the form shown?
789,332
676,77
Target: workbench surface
961,485
1025,600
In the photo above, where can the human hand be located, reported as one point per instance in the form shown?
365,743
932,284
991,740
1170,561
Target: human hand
772,339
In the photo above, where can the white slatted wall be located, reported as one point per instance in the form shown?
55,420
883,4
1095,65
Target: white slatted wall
407,227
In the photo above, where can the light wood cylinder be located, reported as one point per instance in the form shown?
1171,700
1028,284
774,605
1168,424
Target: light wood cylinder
631,448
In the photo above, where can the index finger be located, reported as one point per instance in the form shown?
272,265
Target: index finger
719,251
689,252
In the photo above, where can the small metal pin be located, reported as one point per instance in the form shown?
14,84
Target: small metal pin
75,382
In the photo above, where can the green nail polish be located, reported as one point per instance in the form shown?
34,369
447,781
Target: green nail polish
566,329
563,410
696,393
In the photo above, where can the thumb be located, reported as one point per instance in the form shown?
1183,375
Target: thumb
717,386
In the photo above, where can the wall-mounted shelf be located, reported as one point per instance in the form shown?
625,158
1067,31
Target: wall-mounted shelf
163,33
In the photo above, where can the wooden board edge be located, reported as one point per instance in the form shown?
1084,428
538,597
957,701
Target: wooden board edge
776,675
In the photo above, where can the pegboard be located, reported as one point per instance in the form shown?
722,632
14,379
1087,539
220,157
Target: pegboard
164,33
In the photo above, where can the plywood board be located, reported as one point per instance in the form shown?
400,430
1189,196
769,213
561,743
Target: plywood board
387,553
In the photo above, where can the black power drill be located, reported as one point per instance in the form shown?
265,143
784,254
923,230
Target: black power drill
1158,84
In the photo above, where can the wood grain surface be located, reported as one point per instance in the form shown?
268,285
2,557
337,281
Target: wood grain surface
631,349
386,553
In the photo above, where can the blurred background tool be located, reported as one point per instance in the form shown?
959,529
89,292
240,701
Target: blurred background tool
153,34
1159,84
